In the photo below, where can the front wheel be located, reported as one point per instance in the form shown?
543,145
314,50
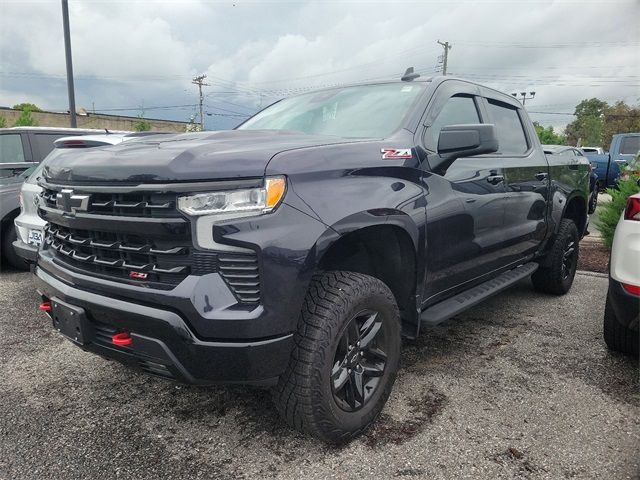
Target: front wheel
558,269
345,358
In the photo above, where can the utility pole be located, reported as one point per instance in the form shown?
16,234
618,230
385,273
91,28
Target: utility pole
199,81
445,57
67,54
524,97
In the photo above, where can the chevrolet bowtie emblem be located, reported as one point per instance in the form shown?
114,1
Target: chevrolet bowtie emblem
69,202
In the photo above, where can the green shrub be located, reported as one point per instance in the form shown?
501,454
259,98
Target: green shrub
609,213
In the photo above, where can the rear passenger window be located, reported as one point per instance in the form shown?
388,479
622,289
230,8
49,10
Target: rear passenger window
511,137
458,110
630,145
44,143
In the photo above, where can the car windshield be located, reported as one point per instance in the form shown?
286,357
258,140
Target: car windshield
366,111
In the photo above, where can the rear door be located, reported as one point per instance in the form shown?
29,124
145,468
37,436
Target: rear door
465,206
526,180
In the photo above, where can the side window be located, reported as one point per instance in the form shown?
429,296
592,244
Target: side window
44,143
630,145
511,137
11,148
458,110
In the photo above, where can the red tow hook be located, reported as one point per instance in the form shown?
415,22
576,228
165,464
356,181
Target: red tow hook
45,307
122,339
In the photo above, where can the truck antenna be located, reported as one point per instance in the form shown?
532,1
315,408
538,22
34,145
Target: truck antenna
409,75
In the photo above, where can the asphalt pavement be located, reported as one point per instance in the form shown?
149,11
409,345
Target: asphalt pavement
521,386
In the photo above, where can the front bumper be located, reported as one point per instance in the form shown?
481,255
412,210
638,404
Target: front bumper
164,345
23,250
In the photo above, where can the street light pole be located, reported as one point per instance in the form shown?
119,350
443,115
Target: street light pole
524,97
67,54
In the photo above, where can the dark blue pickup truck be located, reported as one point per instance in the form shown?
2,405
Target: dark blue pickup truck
624,147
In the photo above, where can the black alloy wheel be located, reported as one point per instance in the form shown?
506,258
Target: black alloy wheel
359,361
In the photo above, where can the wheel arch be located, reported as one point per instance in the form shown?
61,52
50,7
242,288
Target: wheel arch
382,244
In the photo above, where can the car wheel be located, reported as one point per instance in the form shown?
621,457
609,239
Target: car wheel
558,269
9,235
617,336
593,202
345,358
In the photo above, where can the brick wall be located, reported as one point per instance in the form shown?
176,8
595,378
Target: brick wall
91,120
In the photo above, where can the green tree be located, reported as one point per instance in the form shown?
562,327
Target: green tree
3,122
588,127
142,125
620,118
29,106
25,119
548,136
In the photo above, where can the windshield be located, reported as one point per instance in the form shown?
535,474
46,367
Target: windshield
367,111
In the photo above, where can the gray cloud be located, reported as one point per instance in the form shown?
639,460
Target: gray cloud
142,54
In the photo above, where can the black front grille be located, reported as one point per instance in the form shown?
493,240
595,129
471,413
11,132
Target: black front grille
117,236
144,204
118,254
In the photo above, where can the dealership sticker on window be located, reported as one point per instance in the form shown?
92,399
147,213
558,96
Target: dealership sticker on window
395,153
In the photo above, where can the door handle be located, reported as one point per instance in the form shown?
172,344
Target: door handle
541,176
495,179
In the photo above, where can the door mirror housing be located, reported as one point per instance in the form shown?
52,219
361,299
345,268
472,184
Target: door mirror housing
457,141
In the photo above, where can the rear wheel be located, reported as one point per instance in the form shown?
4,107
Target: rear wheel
345,359
558,269
593,202
617,336
11,258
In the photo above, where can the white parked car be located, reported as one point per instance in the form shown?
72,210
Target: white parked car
596,150
29,226
622,310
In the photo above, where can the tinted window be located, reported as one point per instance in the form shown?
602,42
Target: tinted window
511,137
630,145
44,143
457,111
366,111
11,148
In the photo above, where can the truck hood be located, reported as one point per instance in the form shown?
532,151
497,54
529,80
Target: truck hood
185,157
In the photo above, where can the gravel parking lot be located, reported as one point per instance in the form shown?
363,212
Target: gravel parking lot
520,387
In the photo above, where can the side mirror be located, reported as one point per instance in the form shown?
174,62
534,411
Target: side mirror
456,141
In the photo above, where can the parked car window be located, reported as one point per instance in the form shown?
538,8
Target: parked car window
511,137
44,142
371,111
457,111
630,145
11,148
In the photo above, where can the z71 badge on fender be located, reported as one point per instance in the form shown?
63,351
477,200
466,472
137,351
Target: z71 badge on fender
396,153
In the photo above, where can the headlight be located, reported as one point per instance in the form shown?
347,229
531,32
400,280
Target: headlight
248,201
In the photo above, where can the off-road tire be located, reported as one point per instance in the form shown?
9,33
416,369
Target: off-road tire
617,336
549,277
304,395
9,255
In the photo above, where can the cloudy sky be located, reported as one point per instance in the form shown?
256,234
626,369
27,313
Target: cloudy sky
140,56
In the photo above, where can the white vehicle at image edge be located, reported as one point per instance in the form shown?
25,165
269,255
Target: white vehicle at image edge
622,310
29,226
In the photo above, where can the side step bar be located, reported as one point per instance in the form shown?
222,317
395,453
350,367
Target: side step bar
450,307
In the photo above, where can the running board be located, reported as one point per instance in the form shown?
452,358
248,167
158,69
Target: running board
452,306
